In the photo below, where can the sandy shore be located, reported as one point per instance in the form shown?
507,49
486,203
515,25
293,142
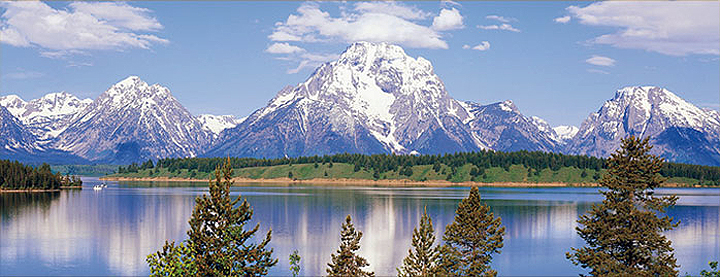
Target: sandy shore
356,182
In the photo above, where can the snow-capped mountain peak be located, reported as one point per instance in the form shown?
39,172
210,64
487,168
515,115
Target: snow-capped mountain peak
565,133
134,121
48,116
14,104
218,123
655,112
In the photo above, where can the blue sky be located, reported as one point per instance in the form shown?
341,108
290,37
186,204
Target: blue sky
556,60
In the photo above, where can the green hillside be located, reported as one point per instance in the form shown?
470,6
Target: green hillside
514,173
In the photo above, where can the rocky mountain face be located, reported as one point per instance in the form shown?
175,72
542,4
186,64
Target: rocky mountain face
373,99
14,137
502,127
48,116
680,131
377,99
18,143
133,121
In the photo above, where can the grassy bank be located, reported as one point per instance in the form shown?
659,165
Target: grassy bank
420,174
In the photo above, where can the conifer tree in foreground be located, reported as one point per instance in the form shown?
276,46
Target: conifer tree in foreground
471,240
624,232
347,262
217,243
423,260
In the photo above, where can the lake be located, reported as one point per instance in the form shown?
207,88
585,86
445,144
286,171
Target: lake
110,232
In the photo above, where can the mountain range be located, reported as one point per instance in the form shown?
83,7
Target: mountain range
373,99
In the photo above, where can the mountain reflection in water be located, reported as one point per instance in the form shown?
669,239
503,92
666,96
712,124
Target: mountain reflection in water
113,230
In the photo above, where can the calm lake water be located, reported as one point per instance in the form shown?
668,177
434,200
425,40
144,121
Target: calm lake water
110,232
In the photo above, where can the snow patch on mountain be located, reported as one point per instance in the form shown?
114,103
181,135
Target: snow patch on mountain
48,116
565,133
134,121
647,111
218,123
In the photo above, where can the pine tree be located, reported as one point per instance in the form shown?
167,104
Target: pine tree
347,262
471,239
423,260
295,263
217,242
624,232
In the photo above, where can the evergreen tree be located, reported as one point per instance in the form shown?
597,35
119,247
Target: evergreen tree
172,261
471,239
714,271
217,242
423,260
624,232
347,262
295,263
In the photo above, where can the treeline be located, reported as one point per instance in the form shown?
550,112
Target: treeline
535,161
15,175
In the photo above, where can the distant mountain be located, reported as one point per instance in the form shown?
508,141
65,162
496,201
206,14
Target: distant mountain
376,99
48,116
565,133
18,143
133,121
373,99
217,123
502,127
680,131
14,136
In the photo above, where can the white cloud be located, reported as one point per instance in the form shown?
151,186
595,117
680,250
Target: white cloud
676,28
84,26
119,14
504,27
449,3
392,8
283,48
310,60
500,18
563,19
367,23
448,19
480,47
600,61
22,74
598,71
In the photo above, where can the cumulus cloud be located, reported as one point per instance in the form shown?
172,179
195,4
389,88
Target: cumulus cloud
84,26
503,27
675,28
283,48
480,47
393,8
366,23
391,22
448,19
600,61
563,19
500,18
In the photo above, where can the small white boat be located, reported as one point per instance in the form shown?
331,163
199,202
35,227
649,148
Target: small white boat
97,187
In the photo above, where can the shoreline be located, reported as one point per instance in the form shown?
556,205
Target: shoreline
359,182
28,190
376,183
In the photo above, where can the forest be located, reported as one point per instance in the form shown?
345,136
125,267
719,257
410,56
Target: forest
17,176
535,161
